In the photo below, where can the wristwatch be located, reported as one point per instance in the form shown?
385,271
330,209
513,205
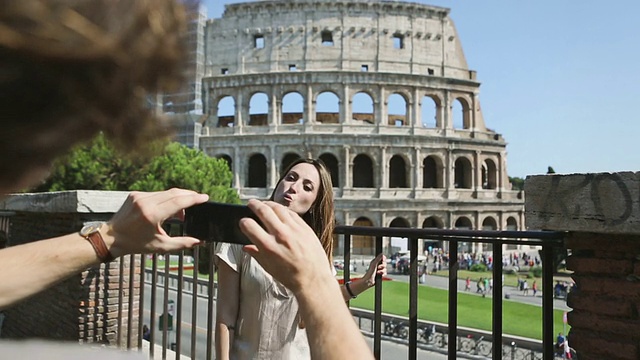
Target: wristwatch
91,232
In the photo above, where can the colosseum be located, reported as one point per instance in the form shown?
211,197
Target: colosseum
379,90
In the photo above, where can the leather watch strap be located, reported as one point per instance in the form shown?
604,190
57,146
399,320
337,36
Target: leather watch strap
99,246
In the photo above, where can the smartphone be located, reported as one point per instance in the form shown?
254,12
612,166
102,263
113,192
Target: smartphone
217,222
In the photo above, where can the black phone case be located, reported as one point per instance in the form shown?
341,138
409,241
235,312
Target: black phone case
217,222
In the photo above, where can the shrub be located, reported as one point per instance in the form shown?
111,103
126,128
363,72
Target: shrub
478,268
536,271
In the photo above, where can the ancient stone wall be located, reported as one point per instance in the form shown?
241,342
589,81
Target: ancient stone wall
600,213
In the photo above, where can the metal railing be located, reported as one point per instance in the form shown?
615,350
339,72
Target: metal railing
450,338
549,241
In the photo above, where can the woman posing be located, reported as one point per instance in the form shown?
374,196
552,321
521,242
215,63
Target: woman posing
256,316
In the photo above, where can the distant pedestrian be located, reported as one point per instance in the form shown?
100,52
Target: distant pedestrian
534,287
480,286
525,288
467,284
146,333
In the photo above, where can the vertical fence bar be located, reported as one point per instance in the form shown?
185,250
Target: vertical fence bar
132,275
143,275
346,273
378,306
152,316
413,298
179,304
453,299
547,302
120,298
165,306
497,301
194,300
210,305
346,269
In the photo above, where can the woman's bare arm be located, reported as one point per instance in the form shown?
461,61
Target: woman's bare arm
377,266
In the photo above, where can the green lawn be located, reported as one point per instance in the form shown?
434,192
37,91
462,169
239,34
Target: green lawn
473,311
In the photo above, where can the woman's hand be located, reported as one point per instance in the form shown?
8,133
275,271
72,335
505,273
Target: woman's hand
376,266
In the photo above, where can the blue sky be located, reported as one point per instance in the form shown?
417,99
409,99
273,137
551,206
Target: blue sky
559,79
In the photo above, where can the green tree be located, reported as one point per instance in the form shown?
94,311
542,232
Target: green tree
517,183
93,166
180,166
99,166
550,170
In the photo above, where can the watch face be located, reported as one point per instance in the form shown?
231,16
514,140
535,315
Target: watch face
91,227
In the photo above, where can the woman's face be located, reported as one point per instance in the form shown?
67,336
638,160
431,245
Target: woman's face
299,188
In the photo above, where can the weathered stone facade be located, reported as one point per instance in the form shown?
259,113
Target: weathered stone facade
369,87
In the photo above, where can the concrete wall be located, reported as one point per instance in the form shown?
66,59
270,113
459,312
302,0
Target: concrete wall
601,213
85,307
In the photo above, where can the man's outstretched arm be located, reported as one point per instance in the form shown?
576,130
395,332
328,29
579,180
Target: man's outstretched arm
136,228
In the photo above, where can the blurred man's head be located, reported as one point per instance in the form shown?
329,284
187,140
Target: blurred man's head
72,68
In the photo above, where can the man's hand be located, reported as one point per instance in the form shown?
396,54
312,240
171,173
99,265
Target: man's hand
288,249
137,227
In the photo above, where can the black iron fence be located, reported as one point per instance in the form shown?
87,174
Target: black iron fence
550,243
183,305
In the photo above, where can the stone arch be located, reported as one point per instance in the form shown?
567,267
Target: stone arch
363,171
460,113
397,110
363,244
327,108
332,164
512,225
433,222
287,159
292,108
257,171
226,111
399,221
432,172
362,108
430,111
489,174
463,178
489,223
259,109
463,222
397,172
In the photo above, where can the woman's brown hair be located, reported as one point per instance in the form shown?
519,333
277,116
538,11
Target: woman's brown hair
320,217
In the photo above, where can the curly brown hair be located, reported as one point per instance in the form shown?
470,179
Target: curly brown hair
72,68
